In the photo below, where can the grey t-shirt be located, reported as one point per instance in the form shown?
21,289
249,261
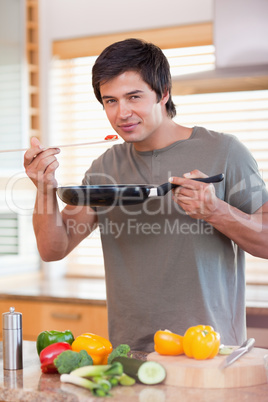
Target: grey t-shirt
165,270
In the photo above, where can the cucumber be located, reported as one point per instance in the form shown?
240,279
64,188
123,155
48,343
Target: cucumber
144,372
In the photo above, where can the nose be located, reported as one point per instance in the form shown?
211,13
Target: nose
124,111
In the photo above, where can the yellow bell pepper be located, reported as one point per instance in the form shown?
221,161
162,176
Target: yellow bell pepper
168,343
201,342
96,346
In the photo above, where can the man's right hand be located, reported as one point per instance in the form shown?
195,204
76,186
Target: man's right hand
40,164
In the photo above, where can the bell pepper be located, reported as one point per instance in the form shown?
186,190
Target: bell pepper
96,346
49,354
168,343
201,342
46,338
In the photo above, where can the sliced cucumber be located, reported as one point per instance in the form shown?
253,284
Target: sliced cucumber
225,350
151,373
144,372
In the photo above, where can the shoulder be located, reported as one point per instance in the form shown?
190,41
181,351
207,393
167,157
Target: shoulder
206,134
225,142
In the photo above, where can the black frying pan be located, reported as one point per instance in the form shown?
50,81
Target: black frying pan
119,194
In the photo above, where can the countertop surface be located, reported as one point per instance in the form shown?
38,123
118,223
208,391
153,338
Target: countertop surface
74,290
86,290
30,385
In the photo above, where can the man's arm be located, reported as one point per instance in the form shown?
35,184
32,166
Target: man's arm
56,232
248,231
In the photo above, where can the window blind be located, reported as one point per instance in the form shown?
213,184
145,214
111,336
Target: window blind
9,233
78,117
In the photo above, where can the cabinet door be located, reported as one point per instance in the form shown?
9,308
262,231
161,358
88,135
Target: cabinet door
41,316
76,317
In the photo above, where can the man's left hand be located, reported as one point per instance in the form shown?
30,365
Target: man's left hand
197,199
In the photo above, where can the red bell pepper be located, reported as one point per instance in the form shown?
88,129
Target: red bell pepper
50,353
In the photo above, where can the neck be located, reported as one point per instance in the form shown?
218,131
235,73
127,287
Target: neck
166,135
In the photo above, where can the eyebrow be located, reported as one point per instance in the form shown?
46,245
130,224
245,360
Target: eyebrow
136,91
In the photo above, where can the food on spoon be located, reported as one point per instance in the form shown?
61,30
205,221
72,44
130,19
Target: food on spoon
111,137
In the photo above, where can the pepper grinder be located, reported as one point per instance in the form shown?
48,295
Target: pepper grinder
12,340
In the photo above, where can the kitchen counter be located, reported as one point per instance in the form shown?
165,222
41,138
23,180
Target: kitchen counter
80,304
74,290
30,385
86,290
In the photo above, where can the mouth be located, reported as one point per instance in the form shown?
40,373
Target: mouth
128,127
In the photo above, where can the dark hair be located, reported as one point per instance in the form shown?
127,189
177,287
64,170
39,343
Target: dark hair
135,55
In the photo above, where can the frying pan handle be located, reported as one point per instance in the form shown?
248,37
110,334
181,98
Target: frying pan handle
212,179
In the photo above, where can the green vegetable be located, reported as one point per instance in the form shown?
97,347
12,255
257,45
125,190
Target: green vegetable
225,350
105,370
69,360
124,379
115,369
105,384
96,389
46,338
114,381
121,350
91,371
144,372
102,377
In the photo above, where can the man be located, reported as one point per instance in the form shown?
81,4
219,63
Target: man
172,261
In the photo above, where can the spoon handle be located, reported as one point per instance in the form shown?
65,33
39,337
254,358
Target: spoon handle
62,146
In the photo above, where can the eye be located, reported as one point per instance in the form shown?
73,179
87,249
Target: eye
134,97
109,101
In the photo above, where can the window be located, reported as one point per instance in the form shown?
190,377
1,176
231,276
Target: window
9,233
12,82
18,251
78,117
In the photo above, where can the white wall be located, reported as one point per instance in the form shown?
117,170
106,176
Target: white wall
73,18
63,19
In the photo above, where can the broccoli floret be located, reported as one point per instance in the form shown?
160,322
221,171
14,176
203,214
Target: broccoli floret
121,350
70,360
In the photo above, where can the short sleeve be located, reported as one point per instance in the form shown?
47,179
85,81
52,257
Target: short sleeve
245,188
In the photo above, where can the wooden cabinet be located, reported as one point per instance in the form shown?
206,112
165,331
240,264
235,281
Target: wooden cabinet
38,316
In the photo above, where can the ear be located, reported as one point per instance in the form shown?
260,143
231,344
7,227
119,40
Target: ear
165,97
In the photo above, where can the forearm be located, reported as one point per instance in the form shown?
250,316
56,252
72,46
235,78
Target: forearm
250,232
49,228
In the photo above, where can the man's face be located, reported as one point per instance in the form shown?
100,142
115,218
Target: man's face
132,109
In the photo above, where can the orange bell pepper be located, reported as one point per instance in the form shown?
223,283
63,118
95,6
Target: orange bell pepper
201,342
96,346
168,343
